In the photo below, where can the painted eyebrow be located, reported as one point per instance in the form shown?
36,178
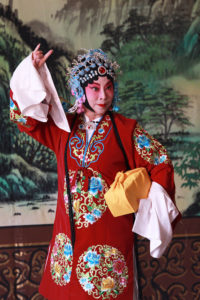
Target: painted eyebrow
90,84
109,83
95,83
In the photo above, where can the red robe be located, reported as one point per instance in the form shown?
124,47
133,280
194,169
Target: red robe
101,265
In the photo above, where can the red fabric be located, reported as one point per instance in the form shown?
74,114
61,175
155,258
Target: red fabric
102,160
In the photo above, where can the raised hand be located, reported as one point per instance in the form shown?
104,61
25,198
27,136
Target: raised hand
39,58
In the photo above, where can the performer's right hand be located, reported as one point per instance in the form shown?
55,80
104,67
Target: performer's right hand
39,58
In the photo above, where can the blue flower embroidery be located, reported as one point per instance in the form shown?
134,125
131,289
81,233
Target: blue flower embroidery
95,185
163,158
97,213
83,280
22,120
143,141
90,218
12,104
159,160
67,276
156,160
88,286
92,258
68,250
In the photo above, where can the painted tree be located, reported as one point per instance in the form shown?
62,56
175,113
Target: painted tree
113,38
189,166
135,97
116,36
158,111
136,24
34,153
7,129
151,4
194,208
167,108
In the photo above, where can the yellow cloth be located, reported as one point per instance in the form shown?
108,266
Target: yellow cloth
123,196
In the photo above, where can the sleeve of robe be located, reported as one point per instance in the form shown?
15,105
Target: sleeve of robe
155,214
35,105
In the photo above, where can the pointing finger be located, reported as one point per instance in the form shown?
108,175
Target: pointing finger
45,57
36,48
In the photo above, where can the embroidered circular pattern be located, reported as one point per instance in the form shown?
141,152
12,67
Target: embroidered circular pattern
101,130
89,205
149,148
102,272
61,260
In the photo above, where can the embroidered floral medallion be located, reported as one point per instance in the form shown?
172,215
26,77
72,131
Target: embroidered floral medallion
86,153
87,196
149,148
102,272
61,260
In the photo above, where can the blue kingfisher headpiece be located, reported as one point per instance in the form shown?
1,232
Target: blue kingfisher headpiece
87,68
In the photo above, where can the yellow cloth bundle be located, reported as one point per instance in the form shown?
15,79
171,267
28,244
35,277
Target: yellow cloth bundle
123,196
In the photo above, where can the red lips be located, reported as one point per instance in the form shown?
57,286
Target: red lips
102,105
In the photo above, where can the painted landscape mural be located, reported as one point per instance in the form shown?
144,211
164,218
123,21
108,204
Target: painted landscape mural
156,43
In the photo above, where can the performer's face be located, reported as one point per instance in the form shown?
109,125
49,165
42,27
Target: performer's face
100,95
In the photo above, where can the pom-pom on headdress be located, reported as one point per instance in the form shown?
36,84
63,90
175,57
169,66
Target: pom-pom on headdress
87,68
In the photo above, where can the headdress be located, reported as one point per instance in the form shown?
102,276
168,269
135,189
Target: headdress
85,69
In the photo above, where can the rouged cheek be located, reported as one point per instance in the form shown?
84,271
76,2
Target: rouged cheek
90,93
110,93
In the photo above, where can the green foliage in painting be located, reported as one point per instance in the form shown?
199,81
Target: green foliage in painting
159,111
19,180
16,42
114,38
189,167
4,189
167,109
7,129
149,53
145,96
33,152
21,174
134,100
147,61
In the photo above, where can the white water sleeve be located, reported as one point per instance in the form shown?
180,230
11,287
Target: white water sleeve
34,90
154,217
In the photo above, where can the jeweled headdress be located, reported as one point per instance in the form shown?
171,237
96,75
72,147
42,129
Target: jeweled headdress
87,68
